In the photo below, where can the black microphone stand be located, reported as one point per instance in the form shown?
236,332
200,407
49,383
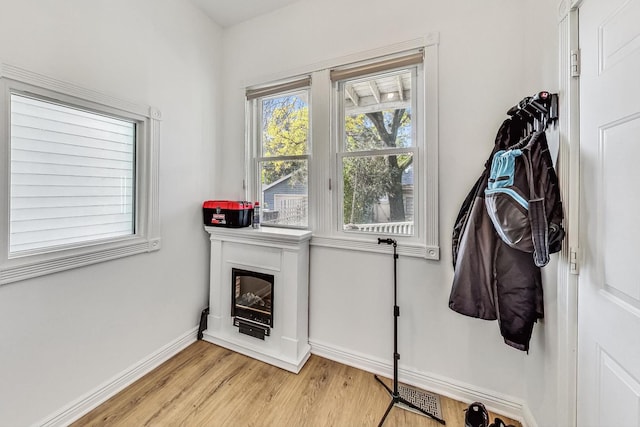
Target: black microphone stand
395,394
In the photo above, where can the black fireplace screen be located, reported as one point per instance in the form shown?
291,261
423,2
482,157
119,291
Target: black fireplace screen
252,296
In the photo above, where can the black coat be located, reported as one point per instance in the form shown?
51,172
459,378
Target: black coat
491,279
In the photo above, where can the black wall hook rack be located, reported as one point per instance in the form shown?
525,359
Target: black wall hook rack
541,110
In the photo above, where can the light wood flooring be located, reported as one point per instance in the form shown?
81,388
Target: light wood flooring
207,385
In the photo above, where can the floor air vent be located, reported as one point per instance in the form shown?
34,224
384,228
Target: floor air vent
426,401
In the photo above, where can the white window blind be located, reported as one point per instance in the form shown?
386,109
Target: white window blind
72,175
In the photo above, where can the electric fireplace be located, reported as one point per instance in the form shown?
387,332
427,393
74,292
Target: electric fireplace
252,302
259,294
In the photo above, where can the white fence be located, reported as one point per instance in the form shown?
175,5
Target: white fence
405,228
291,211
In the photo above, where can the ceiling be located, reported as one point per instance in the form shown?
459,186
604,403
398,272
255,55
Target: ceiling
230,12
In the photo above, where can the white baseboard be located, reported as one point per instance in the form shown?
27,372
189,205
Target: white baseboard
100,394
495,402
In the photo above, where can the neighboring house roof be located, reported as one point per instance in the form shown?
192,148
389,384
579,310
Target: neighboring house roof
282,188
274,183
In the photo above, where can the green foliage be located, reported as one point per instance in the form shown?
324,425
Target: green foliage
368,179
285,132
364,180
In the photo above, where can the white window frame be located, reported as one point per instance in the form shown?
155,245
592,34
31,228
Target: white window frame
253,144
323,173
146,238
417,96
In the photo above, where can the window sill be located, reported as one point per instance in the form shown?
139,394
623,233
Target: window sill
40,265
414,250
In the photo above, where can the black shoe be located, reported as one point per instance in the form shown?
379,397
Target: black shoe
499,423
476,416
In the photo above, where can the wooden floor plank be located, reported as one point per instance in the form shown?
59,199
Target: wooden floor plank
207,385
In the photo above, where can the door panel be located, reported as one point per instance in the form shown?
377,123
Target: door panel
619,35
614,380
609,283
619,155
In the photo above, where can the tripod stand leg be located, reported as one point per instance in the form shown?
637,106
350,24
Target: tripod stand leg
383,385
384,417
397,398
417,408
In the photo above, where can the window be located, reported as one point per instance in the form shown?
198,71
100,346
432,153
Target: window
372,168
71,175
280,121
81,179
376,152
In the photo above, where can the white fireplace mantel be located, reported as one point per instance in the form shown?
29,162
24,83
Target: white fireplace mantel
283,253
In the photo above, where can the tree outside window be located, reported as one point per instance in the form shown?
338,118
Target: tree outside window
283,159
377,153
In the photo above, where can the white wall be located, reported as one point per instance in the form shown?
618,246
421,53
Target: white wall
485,68
63,335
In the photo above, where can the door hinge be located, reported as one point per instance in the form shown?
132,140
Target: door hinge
575,63
329,184
573,261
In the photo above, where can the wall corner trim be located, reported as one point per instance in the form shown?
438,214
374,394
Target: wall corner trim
76,409
563,9
528,420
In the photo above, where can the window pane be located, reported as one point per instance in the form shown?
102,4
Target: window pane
378,194
377,112
284,192
72,175
285,125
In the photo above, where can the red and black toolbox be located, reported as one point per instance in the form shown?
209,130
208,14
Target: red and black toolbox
227,213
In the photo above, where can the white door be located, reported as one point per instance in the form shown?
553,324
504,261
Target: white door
609,283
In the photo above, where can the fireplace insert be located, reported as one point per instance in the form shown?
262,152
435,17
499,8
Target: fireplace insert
252,301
